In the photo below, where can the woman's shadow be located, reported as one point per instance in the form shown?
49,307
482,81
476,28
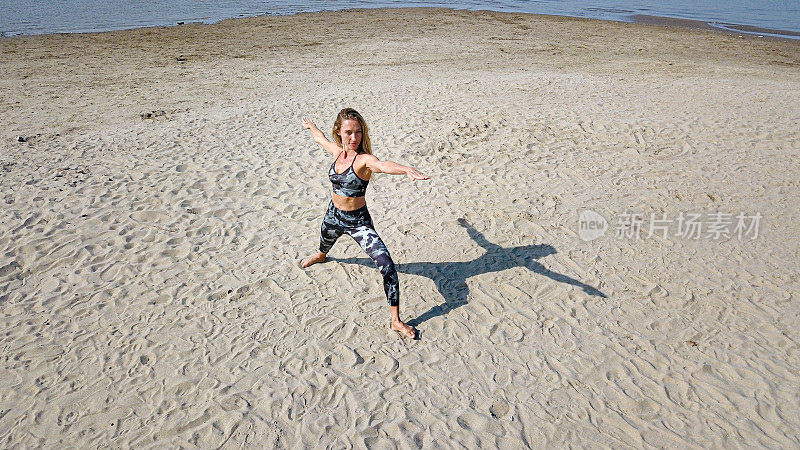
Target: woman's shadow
451,277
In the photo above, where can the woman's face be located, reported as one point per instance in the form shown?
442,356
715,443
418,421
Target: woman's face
351,134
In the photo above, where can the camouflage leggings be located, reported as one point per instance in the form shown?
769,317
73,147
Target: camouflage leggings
358,224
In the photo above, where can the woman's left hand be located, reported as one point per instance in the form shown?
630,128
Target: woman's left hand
414,174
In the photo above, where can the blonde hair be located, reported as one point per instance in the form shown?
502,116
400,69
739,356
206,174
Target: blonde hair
352,114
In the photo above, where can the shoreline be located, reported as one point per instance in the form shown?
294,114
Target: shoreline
731,28
665,21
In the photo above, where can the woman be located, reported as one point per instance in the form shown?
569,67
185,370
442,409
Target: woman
352,167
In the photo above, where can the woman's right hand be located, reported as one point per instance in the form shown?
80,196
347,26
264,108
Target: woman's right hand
319,137
307,123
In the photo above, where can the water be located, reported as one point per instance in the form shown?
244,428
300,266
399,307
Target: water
70,16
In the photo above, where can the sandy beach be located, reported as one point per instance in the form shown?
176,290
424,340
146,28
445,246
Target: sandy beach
158,192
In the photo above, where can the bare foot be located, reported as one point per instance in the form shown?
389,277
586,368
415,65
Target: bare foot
318,258
407,330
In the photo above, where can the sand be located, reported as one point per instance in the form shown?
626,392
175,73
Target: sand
153,218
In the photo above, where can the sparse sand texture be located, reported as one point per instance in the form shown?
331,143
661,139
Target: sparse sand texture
153,218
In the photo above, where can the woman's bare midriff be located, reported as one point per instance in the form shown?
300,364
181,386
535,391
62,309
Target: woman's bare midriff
348,203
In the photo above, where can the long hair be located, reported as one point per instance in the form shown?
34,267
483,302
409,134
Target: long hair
352,114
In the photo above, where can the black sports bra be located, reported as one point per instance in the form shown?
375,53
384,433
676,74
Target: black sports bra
347,183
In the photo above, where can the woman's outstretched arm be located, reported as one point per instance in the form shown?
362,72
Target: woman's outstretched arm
376,165
319,137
